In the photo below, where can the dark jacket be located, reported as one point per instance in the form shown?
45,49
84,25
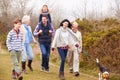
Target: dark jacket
45,37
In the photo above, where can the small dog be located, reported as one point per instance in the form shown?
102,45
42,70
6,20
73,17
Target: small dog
103,74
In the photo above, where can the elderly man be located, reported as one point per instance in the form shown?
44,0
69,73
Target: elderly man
75,51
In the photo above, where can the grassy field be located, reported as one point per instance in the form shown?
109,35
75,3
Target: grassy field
6,67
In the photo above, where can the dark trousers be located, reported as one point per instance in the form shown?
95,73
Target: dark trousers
45,49
63,54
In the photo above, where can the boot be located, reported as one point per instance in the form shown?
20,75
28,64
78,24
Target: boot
76,73
61,75
23,67
29,65
13,74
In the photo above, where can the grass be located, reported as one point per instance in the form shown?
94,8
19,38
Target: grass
85,73
6,67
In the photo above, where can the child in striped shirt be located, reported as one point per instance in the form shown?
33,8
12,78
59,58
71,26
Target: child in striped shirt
15,45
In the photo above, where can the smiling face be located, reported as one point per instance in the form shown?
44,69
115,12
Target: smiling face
74,26
28,22
17,25
44,20
44,8
65,24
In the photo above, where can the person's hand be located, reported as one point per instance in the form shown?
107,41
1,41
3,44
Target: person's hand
35,41
10,50
40,32
50,31
76,45
52,49
68,46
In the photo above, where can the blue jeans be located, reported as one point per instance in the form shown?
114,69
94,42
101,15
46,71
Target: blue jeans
45,49
63,54
27,51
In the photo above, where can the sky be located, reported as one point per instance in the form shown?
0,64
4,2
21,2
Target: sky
70,6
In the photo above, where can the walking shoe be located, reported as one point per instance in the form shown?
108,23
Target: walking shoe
76,73
61,75
19,76
46,70
13,74
24,72
71,70
42,69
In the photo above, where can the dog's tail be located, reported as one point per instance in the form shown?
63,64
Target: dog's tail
97,62
101,68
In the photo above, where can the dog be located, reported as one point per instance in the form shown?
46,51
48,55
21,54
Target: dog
103,72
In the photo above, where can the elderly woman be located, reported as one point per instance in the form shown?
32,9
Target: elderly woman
28,38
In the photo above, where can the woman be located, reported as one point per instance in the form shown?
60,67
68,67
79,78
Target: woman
28,38
62,41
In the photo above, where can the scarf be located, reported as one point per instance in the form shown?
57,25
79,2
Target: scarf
29,33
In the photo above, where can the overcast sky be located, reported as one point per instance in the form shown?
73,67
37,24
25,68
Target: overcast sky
68,6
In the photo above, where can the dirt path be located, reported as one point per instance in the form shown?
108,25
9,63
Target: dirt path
6,66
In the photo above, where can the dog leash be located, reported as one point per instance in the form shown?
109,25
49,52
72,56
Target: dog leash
88,55
97,61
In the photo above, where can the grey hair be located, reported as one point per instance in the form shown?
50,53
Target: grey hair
25,18
74,22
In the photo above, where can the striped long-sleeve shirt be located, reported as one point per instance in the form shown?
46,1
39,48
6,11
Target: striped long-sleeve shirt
15,41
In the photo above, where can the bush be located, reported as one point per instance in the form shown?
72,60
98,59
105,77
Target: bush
3,34
102,40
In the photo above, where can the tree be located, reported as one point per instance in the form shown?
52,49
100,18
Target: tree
116,8
5,6
80,10
11,9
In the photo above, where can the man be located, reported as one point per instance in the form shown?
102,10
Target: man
15,45
75,51
44,33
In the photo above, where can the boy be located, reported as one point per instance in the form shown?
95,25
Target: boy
15,44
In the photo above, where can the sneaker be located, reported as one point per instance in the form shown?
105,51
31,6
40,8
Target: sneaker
13,74
71,70
76,73
42,69
20,78
24,72
46,70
